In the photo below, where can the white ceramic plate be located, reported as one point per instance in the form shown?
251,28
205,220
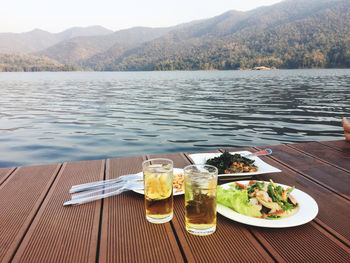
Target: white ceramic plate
307,211
175,171
263,168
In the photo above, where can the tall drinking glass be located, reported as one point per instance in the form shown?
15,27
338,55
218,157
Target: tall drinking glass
158,182
200,199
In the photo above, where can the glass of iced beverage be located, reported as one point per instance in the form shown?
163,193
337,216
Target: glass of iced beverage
200,199
158,182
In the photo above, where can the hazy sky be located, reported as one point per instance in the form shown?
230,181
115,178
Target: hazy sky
55,16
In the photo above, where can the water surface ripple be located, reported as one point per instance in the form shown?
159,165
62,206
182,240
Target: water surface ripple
57,117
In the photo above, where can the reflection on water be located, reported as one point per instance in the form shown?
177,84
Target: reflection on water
56,117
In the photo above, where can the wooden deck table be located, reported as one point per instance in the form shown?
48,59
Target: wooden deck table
35,227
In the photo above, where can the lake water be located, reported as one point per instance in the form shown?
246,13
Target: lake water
57,117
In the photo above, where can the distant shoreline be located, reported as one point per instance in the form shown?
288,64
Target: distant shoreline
243,69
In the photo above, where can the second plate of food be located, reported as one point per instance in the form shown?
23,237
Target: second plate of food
260,165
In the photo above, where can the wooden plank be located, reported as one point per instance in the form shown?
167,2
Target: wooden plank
231,242
330,155
126,235
5,173
65,234
323,173
306,243
20,198
341,145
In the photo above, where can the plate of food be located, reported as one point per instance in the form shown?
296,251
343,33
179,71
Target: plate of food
265,204
178,182
237,164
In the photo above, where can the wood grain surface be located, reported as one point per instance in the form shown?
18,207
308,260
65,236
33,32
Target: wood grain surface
35,227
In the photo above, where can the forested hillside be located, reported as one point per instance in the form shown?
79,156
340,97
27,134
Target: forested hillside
27,63
77,50
293,34
290,34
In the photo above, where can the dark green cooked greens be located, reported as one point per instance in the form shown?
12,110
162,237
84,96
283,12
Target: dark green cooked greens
225,160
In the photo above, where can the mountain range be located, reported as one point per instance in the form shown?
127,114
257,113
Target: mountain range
290,34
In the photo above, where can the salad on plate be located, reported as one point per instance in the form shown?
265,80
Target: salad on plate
259,199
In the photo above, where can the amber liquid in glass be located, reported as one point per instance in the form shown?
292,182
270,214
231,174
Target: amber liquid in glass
158,195
200,207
